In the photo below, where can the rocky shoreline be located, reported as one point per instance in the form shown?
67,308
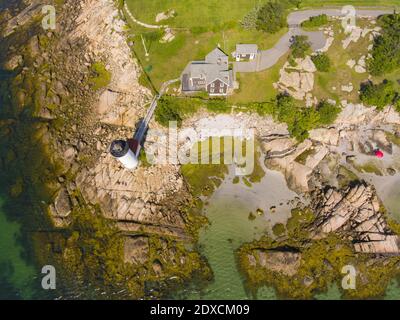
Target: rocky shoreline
78,124
347,227
152,208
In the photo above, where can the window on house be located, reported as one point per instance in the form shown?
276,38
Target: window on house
221,90
212,90
212,85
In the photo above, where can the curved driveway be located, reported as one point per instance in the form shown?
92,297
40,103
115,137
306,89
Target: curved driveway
268,58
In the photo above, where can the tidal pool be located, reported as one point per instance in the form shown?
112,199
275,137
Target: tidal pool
228,211
388,189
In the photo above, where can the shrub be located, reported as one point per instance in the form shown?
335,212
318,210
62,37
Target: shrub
316,21
176,109
299,120
286,109
249,21
167,111
397,103
271,17
322,62
306,120
378,95
300,46
327,112
292,62
386,50
99,77
218,106
264,108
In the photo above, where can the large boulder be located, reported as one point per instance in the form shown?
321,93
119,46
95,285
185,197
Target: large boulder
355,213
285,262
107,101
13,63
136,250
326,136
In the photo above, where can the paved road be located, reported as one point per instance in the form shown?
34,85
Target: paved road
268,58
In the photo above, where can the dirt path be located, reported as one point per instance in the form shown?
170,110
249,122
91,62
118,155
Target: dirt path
149,26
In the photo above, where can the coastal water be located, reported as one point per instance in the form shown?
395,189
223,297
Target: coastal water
17,275
228,211
388,189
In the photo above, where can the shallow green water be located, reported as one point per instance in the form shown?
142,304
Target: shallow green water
392,199
228,212
230,227
17,275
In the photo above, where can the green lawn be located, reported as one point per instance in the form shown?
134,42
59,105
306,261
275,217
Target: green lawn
257,87
205,24
167,60
192,13
218,12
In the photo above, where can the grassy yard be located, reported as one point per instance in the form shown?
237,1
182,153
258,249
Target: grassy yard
208,13
203,25
191,13
167,60
257,87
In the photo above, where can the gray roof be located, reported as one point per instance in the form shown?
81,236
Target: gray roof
215,66
246,49
217,56
200,69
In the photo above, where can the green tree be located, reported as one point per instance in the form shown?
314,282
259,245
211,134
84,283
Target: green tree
286,110
322,62
378,95
166,111
316,21
306,120
298,120
327,112
386,50
271,17
249,21
300,46
397,103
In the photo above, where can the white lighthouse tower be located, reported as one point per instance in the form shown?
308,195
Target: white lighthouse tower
120,150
